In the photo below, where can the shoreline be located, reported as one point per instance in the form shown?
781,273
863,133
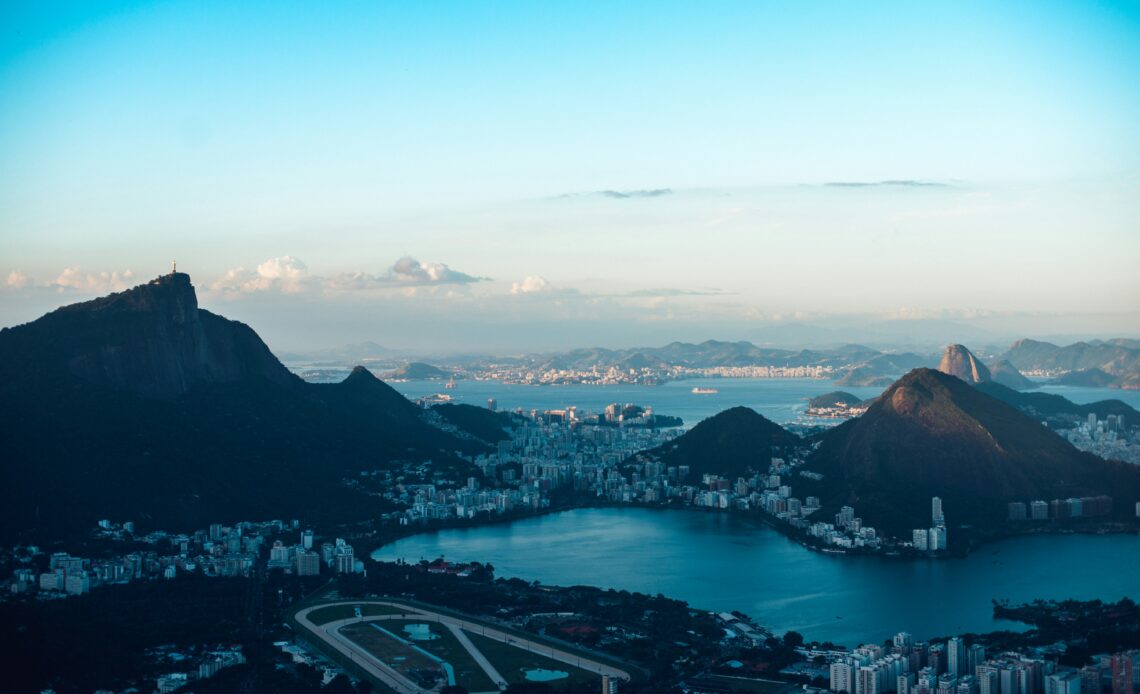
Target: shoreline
973,543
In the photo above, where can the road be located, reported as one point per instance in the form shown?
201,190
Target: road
330,634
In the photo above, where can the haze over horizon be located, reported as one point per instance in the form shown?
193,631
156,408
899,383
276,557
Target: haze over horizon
512,178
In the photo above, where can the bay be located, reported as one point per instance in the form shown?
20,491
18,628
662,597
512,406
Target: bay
781,400
723,562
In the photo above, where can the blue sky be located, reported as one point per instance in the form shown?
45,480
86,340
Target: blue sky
289,154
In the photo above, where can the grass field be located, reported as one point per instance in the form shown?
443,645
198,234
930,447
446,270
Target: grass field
467,671
345,610
511,661
404,659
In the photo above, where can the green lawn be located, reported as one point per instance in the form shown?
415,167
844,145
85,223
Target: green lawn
467,671
510,661
345,610
391,652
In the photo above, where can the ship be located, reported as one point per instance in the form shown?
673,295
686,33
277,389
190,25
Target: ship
704,391
450,383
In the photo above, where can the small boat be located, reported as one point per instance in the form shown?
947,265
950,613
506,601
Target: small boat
450,383
704,391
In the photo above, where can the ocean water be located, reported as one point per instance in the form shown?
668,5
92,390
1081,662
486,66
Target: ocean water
778,399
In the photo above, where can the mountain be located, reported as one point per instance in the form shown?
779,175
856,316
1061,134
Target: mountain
836,398
730,444
1005,373
961,362
1120,358
418,371
931,434
142,406
1058,411
1087,378
152,341
881,369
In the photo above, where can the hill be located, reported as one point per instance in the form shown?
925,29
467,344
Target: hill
836,398
1005,373
931,434
418,371
1059,411
1088,378
141,406
733,443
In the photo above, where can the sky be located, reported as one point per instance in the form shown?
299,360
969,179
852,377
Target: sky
497,176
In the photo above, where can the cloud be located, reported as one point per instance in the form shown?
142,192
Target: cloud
406,273
912,183
409,271
17,280
666,292
533,284
623,194
284,274
73,278
626,194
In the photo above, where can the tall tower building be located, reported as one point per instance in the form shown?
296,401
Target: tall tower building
956,657
936,511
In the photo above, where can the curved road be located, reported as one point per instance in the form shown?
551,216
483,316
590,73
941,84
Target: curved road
330,634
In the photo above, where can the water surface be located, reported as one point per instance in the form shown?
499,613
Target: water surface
722,562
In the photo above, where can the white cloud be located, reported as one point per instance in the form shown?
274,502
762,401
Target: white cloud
75,279
531,285
17,280
407,273
284,274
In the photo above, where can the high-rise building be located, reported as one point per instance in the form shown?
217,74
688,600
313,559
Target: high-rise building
1068,682
936,511
1091,679
841,674
919,539
307,539
975,656
308,564
1122,666
1038,510
956,657
936,539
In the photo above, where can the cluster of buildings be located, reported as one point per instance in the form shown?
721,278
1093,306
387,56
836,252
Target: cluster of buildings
220,550
641,375
201,667
1110,438
931,539
907,666
563,449
1059,509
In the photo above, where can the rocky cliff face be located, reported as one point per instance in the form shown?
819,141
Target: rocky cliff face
151,340
961,362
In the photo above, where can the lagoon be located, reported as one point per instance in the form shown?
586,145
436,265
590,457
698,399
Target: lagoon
722,562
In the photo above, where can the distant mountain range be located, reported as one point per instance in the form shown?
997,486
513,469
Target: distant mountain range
142,406
1112,363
